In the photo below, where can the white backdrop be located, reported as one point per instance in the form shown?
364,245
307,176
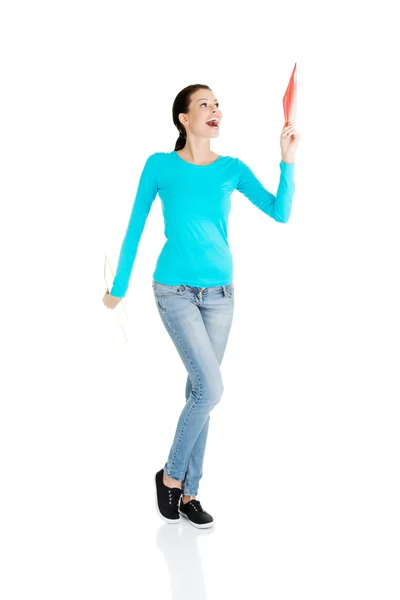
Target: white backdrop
301,465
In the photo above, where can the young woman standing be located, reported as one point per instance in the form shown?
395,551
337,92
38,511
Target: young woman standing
193,278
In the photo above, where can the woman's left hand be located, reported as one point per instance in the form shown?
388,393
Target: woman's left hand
290,139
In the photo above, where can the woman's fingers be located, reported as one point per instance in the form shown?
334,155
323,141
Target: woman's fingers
287,127
288,130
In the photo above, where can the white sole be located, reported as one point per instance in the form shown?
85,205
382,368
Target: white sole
158,510
204,526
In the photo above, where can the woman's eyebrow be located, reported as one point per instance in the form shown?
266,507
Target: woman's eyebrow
215,100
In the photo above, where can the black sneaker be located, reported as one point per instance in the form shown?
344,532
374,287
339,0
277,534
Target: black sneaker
195,514
167,500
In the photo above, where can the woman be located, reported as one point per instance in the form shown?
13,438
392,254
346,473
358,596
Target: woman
192,281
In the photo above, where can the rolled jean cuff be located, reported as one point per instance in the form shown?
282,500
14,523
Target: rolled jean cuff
169,473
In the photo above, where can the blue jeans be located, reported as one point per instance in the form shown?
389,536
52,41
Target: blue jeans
198,321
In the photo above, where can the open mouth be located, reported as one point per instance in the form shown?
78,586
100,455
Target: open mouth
213,123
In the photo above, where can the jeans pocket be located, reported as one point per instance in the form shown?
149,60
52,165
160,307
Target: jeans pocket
162,289
163,292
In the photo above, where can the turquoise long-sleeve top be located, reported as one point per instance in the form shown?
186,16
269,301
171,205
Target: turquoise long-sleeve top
196,202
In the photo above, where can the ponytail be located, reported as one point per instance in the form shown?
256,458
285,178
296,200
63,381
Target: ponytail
181,141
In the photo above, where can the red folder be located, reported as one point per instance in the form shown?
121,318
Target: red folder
290,99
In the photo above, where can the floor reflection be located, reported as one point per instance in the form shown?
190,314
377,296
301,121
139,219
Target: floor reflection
179,546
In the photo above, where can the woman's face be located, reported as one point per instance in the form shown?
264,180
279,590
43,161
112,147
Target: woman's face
203,107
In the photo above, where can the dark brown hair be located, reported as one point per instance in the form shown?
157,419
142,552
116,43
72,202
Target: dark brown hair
181,105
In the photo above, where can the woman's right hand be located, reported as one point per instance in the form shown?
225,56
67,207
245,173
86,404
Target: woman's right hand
110,301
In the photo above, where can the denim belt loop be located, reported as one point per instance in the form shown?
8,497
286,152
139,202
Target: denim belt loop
224,290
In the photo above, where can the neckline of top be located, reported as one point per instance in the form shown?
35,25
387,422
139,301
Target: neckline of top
194,165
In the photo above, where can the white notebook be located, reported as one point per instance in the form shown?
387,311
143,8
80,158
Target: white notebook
120,309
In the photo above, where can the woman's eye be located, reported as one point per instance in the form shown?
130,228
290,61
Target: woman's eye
206,103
